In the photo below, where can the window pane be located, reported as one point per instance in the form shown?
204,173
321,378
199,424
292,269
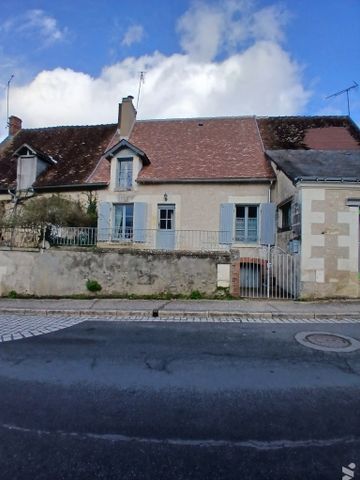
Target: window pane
125,173
253,212
240,211
162,224
246,223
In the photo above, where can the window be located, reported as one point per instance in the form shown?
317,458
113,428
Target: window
123,222
166,217
125,173
246,223
285,216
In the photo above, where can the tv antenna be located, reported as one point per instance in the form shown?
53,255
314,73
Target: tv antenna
8,99
141,82
346,90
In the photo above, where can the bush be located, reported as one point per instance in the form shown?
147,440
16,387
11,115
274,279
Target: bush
12,294
196,295
93,286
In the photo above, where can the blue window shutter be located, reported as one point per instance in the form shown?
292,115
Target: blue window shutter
104,221
140,210
267,223
226,223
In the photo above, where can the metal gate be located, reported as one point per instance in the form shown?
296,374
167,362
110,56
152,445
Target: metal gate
269,273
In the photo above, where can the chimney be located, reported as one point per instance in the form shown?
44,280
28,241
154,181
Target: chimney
127,116
15,124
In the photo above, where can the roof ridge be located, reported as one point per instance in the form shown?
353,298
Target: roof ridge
69,126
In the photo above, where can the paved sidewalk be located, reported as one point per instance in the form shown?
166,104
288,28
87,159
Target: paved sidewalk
184,308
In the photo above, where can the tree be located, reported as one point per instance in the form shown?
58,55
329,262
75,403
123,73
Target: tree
58,211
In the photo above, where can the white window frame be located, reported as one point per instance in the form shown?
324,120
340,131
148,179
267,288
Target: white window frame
246,229
124,177
123,233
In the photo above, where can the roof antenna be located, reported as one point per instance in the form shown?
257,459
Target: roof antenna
8,99
346,90
141,81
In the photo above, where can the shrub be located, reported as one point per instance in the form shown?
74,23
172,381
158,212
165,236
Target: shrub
196,295
12,294
93,286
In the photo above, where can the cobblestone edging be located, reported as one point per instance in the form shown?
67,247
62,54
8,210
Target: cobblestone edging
17,327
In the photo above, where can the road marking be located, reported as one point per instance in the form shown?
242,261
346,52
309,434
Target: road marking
207,443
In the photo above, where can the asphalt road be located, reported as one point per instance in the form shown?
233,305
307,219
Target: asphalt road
178,401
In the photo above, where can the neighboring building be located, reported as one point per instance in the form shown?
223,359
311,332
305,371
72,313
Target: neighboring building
52,160
208,183
317,165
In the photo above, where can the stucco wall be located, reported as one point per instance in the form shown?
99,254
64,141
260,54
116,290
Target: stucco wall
330,241
197,206
65,272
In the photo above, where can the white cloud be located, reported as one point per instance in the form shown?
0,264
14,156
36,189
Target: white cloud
261,78
207,31
36,22
134,34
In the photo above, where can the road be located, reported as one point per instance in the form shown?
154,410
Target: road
121,400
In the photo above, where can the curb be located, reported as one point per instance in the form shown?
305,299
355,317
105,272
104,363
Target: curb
178,313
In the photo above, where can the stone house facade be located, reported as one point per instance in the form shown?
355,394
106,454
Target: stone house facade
215,183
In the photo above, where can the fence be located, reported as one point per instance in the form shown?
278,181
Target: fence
267,273
194,240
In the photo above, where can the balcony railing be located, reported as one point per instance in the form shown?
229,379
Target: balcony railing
151,239
193,240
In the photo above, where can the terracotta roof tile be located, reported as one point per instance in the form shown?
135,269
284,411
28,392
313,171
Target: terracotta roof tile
203,149
318,133
77,151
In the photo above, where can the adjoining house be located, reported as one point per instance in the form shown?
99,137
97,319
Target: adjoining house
268,189
55,159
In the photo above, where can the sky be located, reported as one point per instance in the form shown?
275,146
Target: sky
73,61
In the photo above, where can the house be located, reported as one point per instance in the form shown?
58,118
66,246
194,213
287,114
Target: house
42,161
230,183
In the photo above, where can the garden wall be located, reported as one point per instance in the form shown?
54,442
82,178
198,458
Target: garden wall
64,272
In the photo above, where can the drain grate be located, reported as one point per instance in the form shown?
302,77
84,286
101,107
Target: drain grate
328,342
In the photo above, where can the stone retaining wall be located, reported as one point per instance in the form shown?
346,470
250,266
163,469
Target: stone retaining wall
63,272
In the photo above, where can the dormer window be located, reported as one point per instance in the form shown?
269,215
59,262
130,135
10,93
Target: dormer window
125,173
30,164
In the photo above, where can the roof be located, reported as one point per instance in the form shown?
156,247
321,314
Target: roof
318,133
223,149
77,151
124,144
202,149
318,165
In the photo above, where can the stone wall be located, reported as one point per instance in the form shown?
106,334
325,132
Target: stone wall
330,242
65,272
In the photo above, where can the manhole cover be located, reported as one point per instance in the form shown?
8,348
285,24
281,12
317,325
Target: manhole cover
328,342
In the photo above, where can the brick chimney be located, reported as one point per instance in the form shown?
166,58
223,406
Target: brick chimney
15,124
127,116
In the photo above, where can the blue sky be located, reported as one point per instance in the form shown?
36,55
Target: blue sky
73,61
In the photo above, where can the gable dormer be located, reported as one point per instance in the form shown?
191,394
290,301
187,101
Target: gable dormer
30,164
126,163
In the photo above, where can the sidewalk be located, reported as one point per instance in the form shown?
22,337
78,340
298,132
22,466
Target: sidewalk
183,308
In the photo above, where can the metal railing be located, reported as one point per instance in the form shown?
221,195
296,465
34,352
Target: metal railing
188,240
193,240
72,236
268,273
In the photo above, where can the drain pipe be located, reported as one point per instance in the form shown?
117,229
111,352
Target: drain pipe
268,265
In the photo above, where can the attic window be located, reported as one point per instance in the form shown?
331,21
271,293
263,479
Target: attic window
125,173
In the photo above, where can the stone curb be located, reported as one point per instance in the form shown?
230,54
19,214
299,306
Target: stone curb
179,313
